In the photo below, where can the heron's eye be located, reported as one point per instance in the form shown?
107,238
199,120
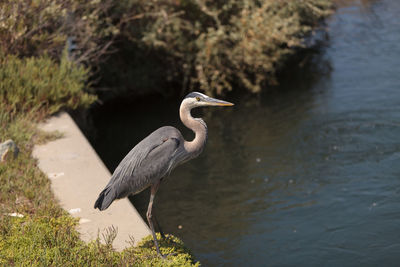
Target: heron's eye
197,98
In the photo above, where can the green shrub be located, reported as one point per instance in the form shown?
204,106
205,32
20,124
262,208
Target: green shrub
216,45
41,85
255,43
53,241
170,246
190,44
38,27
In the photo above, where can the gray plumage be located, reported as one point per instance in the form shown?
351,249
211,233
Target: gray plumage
149,160
157,155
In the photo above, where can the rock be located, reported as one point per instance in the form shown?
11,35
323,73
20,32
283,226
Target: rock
6,149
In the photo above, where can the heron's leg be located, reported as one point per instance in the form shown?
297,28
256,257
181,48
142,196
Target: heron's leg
158,227
149,216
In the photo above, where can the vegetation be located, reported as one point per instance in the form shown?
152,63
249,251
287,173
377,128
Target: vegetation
38,27
212,46
218,45
53,241
40,84
52,51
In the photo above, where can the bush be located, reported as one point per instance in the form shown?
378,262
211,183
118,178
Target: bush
249,50
190,44
41,85
216,45
53,241
39,27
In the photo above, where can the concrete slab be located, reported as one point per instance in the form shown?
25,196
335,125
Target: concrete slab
77,176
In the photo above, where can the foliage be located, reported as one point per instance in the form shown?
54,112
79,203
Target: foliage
38,27
53,241
215,45
190,44
144,254
254,44
41,85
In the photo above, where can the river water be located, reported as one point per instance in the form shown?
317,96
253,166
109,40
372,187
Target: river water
307,174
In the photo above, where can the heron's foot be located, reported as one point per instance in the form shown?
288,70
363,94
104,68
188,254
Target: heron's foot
168,238
164,256
162,235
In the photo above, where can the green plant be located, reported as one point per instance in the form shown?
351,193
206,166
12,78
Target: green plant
41,85
216,45
254,44
53,241
38,27
188,44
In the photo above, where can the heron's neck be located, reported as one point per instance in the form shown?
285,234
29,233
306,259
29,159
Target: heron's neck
198,126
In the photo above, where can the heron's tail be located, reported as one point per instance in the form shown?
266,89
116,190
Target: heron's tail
106,197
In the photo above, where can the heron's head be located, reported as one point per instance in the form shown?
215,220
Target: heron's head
196,99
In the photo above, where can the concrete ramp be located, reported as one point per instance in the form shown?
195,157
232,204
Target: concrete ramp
77,176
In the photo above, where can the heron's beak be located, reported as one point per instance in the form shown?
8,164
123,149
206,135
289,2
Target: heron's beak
216,102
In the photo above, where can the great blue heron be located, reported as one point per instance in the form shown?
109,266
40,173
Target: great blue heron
156,155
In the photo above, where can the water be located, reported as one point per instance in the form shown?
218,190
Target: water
305,175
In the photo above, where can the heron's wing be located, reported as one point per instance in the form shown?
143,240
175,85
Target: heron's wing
147,161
